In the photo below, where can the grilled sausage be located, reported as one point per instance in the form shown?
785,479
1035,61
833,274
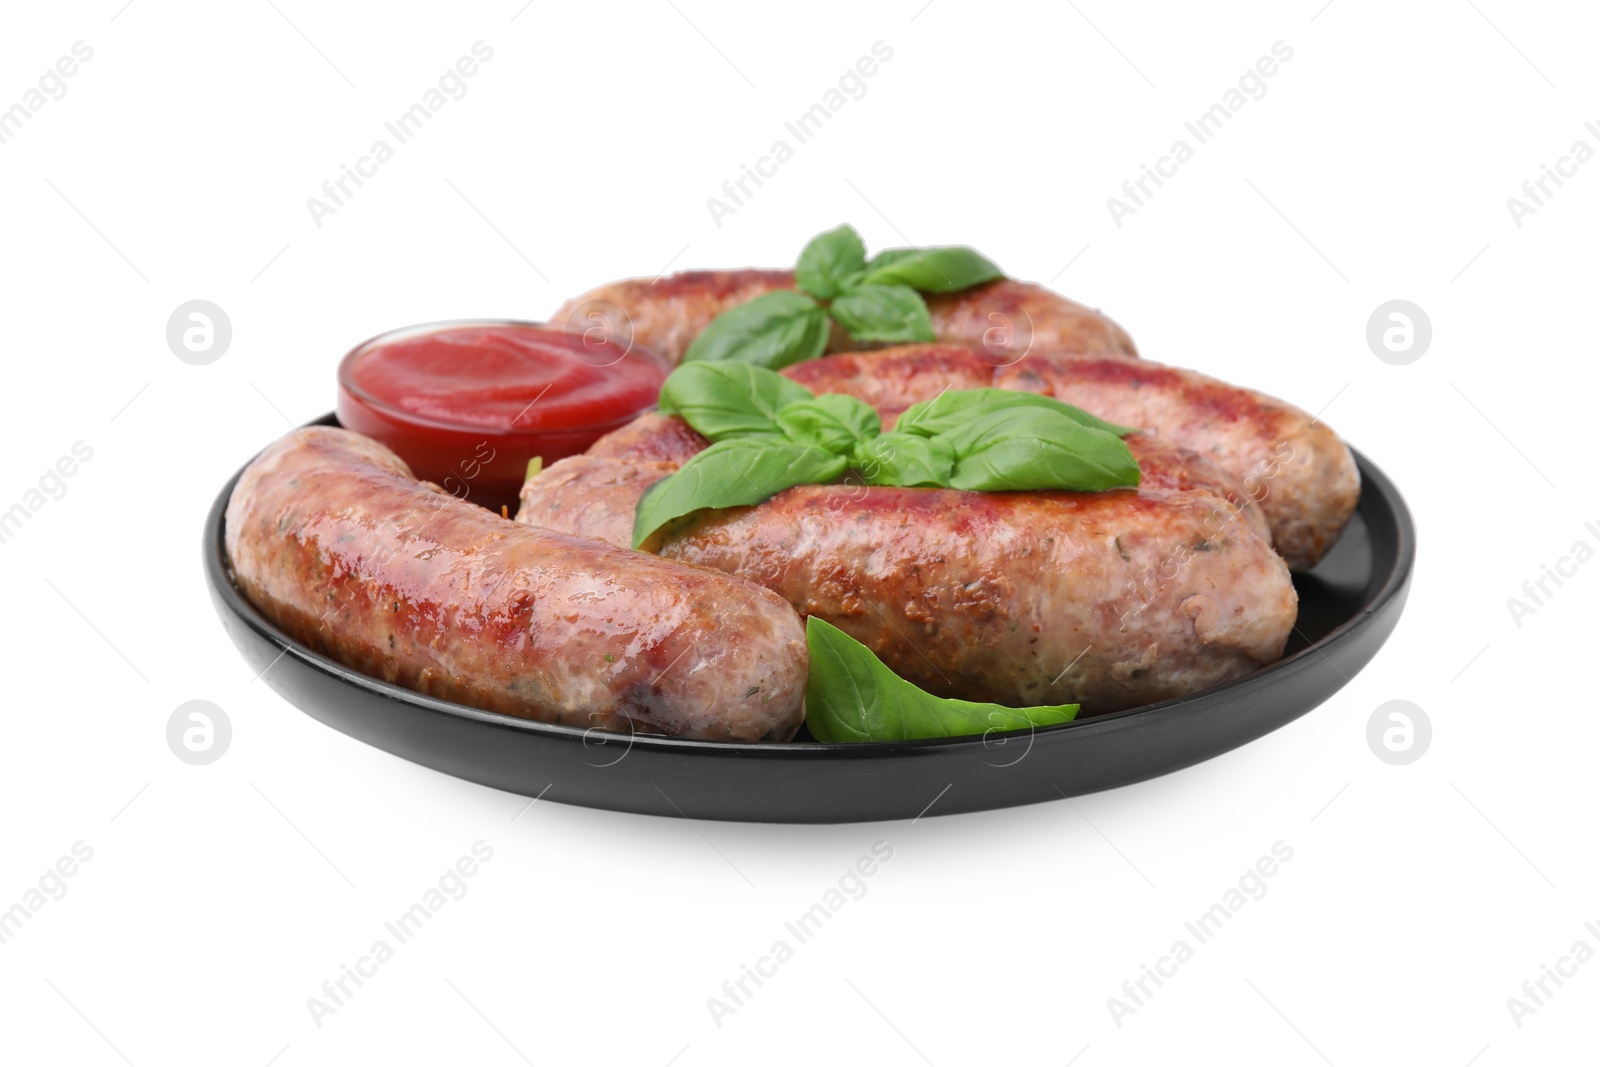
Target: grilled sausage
1293,465
595,494
330,536
1002,319
1110,599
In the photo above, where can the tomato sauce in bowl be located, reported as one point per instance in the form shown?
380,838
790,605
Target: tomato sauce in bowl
468,404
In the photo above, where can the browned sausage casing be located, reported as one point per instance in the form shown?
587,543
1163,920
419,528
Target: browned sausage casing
1110,599
1002,317
330,536
595,494
1303,477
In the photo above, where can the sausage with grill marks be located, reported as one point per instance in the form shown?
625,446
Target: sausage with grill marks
1111,599
1297,469
1004,318
330,536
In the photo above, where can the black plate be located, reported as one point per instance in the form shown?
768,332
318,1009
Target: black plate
1348,607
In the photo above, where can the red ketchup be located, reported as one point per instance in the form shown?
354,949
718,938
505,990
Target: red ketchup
468,404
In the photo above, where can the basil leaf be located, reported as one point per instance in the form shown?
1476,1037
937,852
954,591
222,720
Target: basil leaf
883,313
1036,448
773,330
905,459
832,422
956,407
726,400
932,270
852,696
745,470
828,261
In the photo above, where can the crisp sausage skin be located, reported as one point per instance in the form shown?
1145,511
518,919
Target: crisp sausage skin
330,536
597,493
1111,599
1004,319
1296,468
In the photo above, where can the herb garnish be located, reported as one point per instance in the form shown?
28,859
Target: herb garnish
872,300
769,434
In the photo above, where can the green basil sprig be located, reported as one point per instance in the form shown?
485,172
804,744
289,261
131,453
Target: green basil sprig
852,696
1033,447
773,330
769,434
831,262
873,300
931,270
956,407
723,400
744,470
833,422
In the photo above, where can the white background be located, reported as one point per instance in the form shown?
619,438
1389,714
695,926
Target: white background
1377,166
